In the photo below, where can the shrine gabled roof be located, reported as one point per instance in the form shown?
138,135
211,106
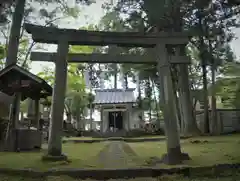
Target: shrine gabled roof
114,96
35,86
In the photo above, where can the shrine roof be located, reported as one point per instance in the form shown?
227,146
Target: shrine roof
114,96
16,79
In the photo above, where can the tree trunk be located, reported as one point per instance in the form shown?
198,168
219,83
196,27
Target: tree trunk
91,117
177,101
91,103
149,95
206,105
15,32
139,91
79,125
178,110
190,126
180,114
204,74
115,80
157,106
140,97
126,81
69,117
214,122
150,114
22,116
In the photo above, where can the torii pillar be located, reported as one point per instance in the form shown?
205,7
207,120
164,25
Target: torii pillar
174,154
57,109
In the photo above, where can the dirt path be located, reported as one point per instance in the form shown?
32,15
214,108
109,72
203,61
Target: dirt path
116,154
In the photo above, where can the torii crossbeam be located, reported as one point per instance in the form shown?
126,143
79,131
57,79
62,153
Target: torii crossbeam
52,35
107,58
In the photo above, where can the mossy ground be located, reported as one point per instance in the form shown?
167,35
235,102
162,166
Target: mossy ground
80,156
204,151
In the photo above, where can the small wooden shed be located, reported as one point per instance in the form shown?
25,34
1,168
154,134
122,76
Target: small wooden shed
18,82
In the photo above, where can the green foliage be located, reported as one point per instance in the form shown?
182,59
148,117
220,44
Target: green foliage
91,97
2,56
76,100
228,86
47,74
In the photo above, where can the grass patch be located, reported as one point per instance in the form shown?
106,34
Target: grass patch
204,151
79,155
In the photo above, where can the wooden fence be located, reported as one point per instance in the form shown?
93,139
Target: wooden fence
228,120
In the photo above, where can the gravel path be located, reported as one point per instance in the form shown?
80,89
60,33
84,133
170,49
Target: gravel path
116,154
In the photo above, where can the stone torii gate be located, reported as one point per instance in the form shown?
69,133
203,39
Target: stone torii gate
159,56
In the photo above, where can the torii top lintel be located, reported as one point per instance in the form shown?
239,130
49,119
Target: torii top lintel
53,35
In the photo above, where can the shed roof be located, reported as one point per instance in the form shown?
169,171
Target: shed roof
114,96
14,78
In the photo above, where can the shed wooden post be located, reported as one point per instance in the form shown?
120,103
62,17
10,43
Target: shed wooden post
101,125
36,113
173,155
129,116
16,110
57,110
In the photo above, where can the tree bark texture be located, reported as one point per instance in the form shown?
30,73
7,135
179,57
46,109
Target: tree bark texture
206,105
190,125
214,121
15,32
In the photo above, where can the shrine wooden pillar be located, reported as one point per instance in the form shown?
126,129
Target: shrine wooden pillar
57,110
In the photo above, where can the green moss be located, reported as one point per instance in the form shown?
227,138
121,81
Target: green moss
79,156
204,151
